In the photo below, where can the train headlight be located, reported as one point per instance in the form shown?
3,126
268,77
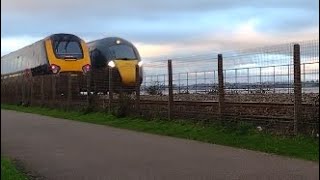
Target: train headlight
118,41
111,64
54,68
140,64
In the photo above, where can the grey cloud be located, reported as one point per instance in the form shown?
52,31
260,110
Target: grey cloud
156,22
144,7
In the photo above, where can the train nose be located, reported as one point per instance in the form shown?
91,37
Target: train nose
127,71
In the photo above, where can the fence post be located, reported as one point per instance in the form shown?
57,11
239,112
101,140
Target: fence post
145,83
196,77
304,73
54,89
22,80
297,87
3,91
248,77
260,77
274,79
187,83
164,81
110,90
137,89
179,83
69,98
205,82
16,81
4,95
289,78
170,103
88,83
42,90
221,86
236,76
28,90
31,90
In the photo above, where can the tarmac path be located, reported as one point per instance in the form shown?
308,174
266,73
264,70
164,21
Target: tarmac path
64,149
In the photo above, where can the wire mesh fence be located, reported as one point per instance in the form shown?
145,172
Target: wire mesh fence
259,72
255,85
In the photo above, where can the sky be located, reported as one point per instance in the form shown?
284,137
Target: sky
163,28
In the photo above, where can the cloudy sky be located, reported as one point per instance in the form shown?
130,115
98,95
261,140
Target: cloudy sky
163,28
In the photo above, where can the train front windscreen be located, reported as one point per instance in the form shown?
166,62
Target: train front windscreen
67,47
122,52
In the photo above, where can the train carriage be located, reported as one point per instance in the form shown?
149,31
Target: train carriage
57,53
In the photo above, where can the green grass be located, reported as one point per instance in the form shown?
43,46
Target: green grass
9,171
240,136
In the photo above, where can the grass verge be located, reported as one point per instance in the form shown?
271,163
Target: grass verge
243,137
9,171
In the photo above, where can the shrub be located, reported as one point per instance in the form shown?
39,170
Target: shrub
155,89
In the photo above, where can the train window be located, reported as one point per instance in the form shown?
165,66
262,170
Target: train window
122,52
68,49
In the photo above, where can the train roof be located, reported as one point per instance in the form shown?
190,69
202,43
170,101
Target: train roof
59,35
54,36
109,41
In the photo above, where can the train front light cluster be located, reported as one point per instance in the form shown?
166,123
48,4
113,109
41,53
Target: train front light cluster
140,63
86,68
55,68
